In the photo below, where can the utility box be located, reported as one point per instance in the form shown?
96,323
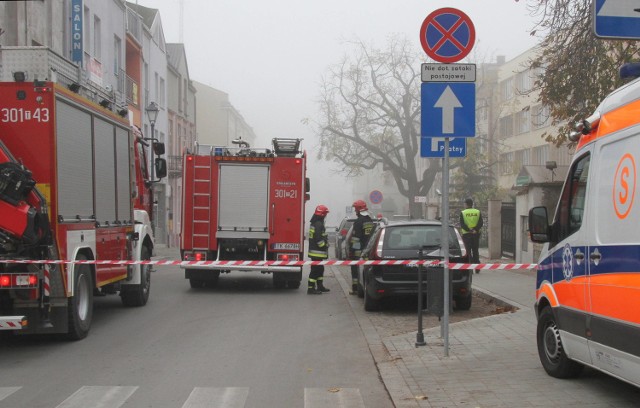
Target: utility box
435,290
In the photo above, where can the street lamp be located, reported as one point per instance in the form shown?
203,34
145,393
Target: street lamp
152,114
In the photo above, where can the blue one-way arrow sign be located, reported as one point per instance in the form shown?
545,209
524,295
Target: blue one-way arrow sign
616,19
448,109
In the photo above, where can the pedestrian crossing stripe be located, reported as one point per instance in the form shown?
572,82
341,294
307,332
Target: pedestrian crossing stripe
229,397
98,396
201,397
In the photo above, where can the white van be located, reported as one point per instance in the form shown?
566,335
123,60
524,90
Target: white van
588,277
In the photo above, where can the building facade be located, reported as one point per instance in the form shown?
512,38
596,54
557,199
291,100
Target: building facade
219,122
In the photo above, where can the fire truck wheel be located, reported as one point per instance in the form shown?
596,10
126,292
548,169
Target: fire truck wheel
196,283
81,304
550,348
212,281
293,284
279,281
138,295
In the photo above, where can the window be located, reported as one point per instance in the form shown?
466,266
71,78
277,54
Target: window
523,118
506,126
161,94
506,163
506,89
571,207
97,38
540,155
540,116
524,81
117,55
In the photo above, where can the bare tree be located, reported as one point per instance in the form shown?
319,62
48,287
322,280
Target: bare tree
577,69
370,108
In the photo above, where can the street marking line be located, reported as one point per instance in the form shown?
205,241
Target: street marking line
209,397
6,391
98,396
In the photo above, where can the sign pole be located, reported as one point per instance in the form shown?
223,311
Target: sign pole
445,245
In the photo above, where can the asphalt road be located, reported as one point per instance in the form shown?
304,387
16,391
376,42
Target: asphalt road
242,344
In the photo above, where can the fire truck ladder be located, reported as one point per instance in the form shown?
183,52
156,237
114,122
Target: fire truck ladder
201,237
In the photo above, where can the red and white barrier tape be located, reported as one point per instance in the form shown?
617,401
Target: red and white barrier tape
278,263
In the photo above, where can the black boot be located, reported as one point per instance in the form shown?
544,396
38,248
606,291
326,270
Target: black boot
321,287
311,290
354,289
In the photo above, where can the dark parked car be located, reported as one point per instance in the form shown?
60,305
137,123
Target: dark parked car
341,233
403,240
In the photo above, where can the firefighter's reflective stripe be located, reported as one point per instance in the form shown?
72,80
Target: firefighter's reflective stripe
318,254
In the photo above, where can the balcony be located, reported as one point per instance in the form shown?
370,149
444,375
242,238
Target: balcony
174,163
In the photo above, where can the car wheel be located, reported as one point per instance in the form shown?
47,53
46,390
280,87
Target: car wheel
550,348
464,303
370,305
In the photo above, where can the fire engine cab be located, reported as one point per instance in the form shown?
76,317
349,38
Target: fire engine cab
241,203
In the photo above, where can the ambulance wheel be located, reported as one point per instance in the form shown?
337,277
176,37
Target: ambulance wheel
80,310
550,348
138,295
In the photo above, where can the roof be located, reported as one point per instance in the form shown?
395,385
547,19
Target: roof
537,174
176,56
148,14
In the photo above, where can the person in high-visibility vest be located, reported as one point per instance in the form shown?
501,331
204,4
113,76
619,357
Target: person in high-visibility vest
318,250
470,225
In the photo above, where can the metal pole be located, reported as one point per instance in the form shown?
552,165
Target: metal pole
420,336
153,176
445,243
153,137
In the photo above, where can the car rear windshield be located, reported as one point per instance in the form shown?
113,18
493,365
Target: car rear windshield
417,236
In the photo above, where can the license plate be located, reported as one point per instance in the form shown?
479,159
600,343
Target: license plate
287,246
22,280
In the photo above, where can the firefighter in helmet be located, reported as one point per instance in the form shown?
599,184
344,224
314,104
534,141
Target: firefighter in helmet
318,250
362,231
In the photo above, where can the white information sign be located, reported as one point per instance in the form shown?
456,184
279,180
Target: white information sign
448,72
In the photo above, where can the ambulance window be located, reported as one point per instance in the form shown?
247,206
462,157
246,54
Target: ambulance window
572,201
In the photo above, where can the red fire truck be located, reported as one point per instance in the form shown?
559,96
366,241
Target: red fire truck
241,203
73,187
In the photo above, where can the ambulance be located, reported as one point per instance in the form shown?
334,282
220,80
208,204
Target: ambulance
588,276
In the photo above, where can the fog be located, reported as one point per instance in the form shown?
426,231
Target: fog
270,56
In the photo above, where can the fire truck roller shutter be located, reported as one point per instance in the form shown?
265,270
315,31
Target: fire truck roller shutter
75,181
124,154
105,164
